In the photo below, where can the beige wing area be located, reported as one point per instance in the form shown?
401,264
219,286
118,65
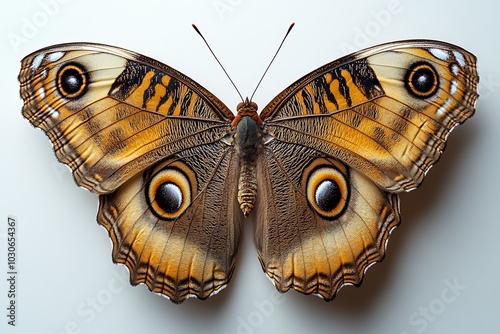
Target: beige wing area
320,224
176,226
111,113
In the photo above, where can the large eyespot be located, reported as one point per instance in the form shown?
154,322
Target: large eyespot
72,81
422,80
169,192
327,191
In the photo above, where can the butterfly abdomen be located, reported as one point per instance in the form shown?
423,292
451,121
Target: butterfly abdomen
247,187
247,139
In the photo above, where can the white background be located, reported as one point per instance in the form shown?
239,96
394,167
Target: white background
67,282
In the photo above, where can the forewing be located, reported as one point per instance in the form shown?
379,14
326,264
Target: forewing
385,111
111,113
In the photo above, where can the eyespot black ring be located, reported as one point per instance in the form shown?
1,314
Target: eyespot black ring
422,80
170,189
327,191
72,80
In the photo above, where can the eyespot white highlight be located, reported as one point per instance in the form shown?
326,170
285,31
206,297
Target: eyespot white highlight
443,108
35,64
440,54
459,57
43,74
55,56
41,92
53,113
454,87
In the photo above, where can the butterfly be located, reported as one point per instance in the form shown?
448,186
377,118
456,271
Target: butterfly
320,168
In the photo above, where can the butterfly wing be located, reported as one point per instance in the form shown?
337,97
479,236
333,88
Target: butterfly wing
149,140
111,113
377,120
385,111
320,223
176,226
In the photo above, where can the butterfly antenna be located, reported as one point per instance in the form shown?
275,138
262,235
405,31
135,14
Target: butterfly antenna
263,75
204,40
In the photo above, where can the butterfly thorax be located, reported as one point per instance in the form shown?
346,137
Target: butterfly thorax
248,138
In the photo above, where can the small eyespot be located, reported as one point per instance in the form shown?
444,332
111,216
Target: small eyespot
422,80
72,81
327,191
169,192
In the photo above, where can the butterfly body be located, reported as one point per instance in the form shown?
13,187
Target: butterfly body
248,142
320,167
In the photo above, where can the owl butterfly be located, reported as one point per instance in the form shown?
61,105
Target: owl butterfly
320,167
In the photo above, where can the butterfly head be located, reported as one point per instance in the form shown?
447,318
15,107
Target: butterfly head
246,108
247,105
